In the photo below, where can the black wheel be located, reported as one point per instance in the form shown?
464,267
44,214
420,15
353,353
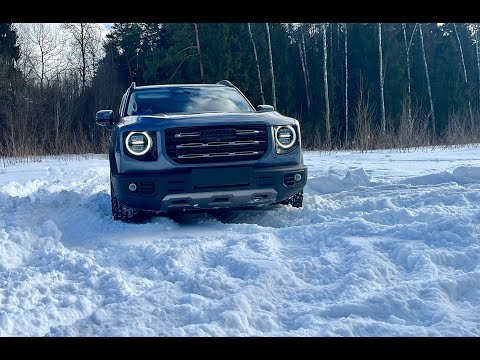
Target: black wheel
296,200
123,212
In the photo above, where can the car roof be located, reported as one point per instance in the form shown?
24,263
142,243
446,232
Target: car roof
151,87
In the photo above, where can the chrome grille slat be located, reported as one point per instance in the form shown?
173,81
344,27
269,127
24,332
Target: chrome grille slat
220,143
209,144
192,134
249,132
237,153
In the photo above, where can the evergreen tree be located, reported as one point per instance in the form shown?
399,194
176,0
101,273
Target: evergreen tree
9,49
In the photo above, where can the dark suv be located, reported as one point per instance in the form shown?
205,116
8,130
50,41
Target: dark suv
199,147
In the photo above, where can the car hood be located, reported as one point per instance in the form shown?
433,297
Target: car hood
160,122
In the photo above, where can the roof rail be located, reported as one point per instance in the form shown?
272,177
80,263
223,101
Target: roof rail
133,85
225,83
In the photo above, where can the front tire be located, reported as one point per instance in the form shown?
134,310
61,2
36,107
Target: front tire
296,200
124,213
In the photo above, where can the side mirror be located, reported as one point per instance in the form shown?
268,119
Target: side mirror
104,118
265,108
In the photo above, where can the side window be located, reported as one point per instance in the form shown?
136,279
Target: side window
132,106
122,105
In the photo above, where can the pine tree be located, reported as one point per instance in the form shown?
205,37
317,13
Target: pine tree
9,50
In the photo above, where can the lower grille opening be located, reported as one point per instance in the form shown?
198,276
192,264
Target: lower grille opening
220,200
289,179
146,187
179,202
220,186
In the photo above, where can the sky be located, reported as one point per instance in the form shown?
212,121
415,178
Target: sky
106,28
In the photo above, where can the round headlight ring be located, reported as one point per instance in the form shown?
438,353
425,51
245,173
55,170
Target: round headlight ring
293,140
137,153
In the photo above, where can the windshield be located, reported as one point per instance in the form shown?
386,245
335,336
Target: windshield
168,100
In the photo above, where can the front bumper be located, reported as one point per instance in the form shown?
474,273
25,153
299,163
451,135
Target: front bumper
209,188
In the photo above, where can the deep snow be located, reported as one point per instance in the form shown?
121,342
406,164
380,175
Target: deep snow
387,244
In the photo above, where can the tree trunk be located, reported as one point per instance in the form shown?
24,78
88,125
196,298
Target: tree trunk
346,84
305,54
271,66
477,38
338,38
57,120
461,53
42,76
472,123
129,67
199,51
330,45
84,55
256,61
407,55
432,110
325,82
302,61
380,69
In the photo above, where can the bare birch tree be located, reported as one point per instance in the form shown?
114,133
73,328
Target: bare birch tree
256,62
472,124
432,110
303,63
44,47
271,66
461,53
346,84
477,39
380,69
85,42
330,46
325,82
407,55
305,53
338,37
197,38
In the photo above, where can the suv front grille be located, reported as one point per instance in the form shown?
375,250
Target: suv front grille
223,143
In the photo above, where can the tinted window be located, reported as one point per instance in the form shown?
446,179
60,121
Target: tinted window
170,100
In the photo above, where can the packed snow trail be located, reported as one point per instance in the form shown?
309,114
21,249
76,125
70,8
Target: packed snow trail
387,243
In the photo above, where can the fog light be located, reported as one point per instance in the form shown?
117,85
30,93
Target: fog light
298,177
132,187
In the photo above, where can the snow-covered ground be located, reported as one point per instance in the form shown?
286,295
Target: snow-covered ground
387,244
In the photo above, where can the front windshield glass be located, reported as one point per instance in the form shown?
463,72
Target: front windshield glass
171,100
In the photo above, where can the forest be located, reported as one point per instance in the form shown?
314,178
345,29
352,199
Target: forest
351,85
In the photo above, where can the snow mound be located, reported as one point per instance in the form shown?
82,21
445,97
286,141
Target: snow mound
460,175
332,182
470,172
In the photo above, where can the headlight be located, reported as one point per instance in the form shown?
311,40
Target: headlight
285,138
138,143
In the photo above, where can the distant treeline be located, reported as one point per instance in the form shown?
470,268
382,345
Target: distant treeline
360,86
